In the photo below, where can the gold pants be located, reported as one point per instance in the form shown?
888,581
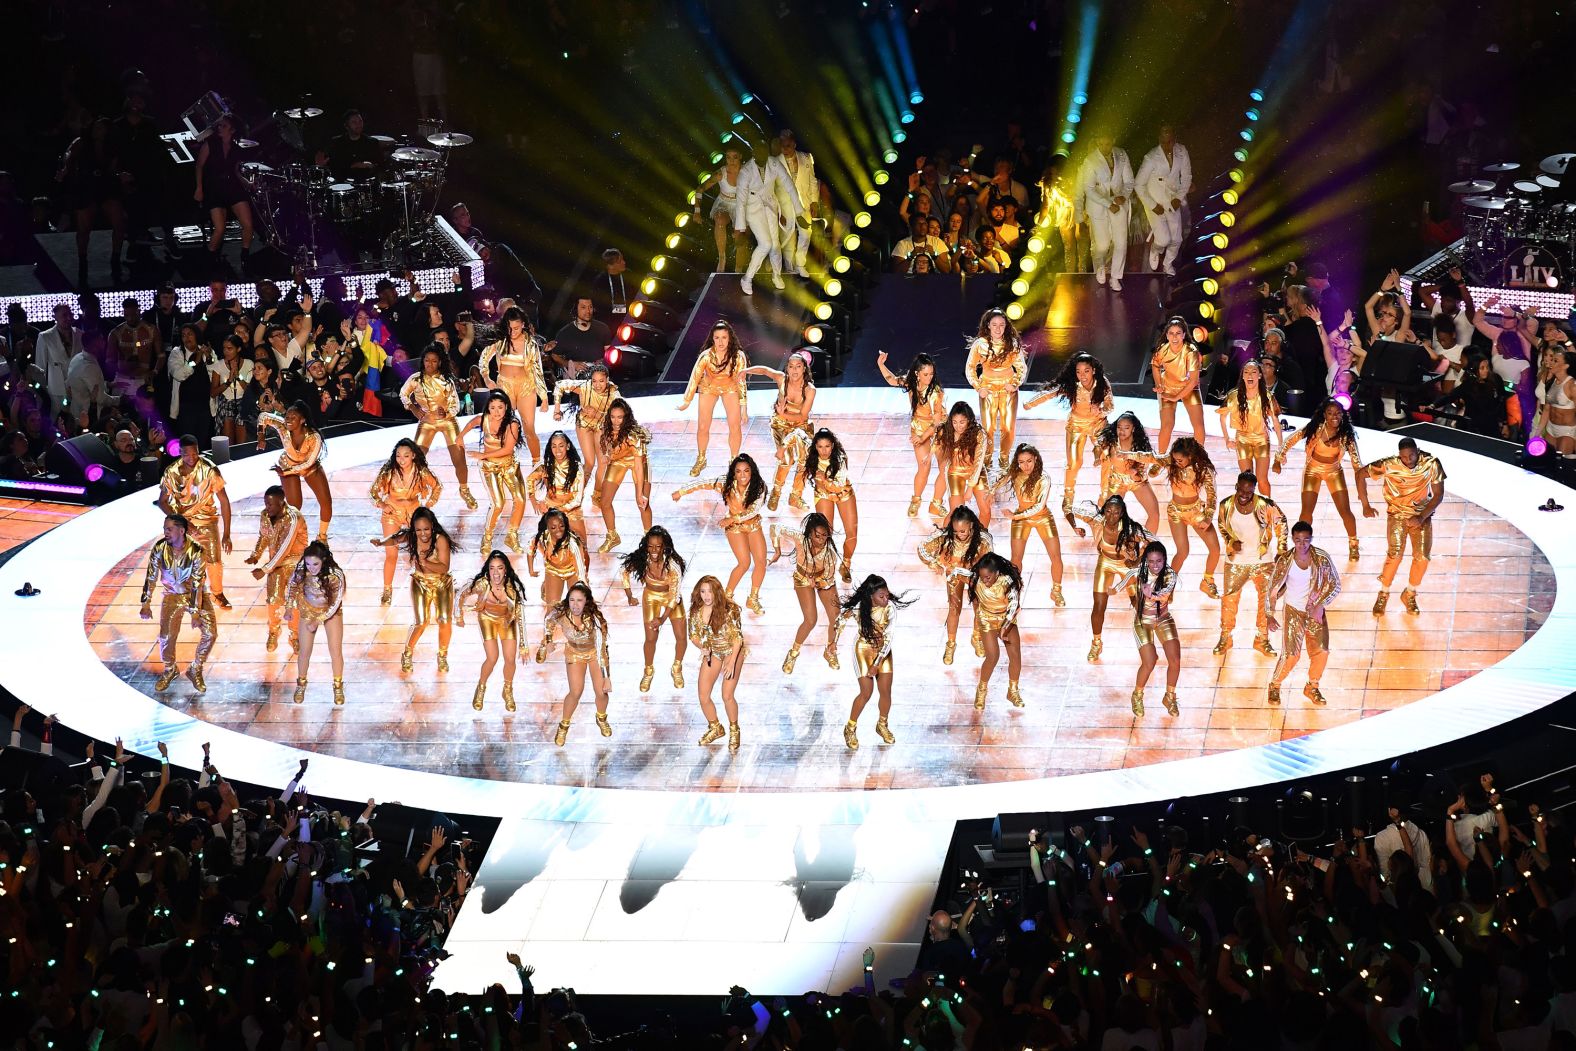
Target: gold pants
1193,514
274,585
998,412
792,441
1154,632
172,611
1421,532
206,533
1299,629
1252,446
426,430
432,597
1080,431
1238,575
521,390
1330,474
958,487
504,486
1042,524
495,627
872,660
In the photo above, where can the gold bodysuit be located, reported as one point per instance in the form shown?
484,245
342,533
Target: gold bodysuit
811,569
996,372
397,497
873,654
439,399
1251,428
965,468
1120,474
1032,515
1152,621
718,643
1171,370
314,599
837,488
293,459
1085,421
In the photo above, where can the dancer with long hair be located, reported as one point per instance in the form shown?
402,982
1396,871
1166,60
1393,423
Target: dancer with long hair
995,592
660,569
716,631
1328,437
1121,474
743,492
431,550
996,369
1176,366
826,468
560,481
500,437
564,558
431,396
498,596
595,393
952,552
792,430
871,608
1120,542
584,630
402,484
1191,474
1250,422
1025,483
282,536
963,451
316,595
927,407
300,459
719,372
624,443
518,351
815,564
1083,386
1153,584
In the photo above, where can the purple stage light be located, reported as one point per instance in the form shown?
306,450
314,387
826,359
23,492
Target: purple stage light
94,472
1344,401
1536,446
173,447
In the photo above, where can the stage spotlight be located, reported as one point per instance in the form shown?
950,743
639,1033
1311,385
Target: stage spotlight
1027,264
1020,286
1241,154
630,362
814,334
1253,114
1202,329
1075,118
673,268
1257,94
639,334
907,117
861,219
1536,446
1235,175
1080,99
1014,311
656,314
1344,401
1036,244
1069,137
1247,134
915,98
872,198
880,177
841,264
823,311
172,447
889,156
681,220
833,288
663,290
1219,242
746,98
899,137
737,118
94,472
851,242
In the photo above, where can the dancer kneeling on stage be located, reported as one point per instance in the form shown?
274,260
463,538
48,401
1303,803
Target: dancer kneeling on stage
743,492
315,594
715,629
995,592
282,536
952,552
1306,577
431,587
1153,584
871,605
814,577
499,599
176,565
1120,542
584,629
660,570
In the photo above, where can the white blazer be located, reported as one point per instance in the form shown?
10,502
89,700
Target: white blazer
804,183
1103,183
1161,182
759,190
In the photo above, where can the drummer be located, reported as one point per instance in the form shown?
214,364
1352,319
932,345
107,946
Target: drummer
351,155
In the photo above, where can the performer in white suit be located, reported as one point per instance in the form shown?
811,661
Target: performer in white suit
1164,181
800,167
760,180
1106,178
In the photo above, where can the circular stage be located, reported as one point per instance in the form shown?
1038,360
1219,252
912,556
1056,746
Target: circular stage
1486,648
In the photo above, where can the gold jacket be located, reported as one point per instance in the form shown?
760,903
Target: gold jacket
1326,582
178,572
1270,517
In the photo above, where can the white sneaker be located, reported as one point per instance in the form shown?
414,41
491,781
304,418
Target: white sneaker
1116,284
777,281
801,272
1099,276
1154,261
1171,271
747,287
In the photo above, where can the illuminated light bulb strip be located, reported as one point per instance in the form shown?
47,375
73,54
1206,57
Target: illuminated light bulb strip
1549,304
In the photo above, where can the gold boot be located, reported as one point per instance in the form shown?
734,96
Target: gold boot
273,640
512,541
1262,644
609,542
300,690
1351,548
937,509
339,690
1409,600
884,731
194,673
678,674
1095,646
1380,602
487,540
1137,701
443,660
773,497
603,725
753,603
563,733
406,661
465,494
830,653
508,696
733,737
1170,701
788,661
1208,587
714,732
913,507
980,693
977,640
167,677
846,570
1274,694
1056,595
1311,691
479,696
948,651
698,466
1014,695
645,678
851,735
1223,645
387,598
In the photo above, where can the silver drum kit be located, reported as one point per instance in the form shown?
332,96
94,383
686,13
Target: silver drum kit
1508,208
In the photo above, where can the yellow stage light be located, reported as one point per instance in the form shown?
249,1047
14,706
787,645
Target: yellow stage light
880,177
872,198
1220,241
1206,310
649,286
812,333
1036,244
833,287
861,219
841,264
851,243
1217,264
1235,175
1014,311
1210,286
823,311
673,241
659,263
1027,264
1020,286
1231,197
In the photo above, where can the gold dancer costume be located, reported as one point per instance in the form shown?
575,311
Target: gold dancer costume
396,496
500,617
1113,562
551,476
1250,430
435,401
742,519
1032,517
718,381
1248,537
593,403
996,370
319,602
1192,504
660,600
566,561
1172,370
519,372
1086,419
1322,466
816,571
585,643
947,555
297,461
1153,626
1304,590
872,655
791,426
720,644
180,573
282,540
1411,493
196,493
995,610
966,472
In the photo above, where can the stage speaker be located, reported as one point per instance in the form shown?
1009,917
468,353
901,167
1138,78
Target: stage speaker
83,459
1009,833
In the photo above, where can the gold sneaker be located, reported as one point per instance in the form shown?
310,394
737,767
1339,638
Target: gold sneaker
1014,695
948,651
508,696
603,725
1056,595
339,691
788,661
851,735
300,690
753,603
714,732
609,543
164,680
830,653
1095,646
1351,548
563,733
1380,602
512,541
1170,701
913,507
733,737
1208,587
465,494
406,661
774,497
443,660
1274,694
980,693
1409,600
646,677
1262,644
481,693
678,675
1223,645
1311,691
884,731
194,673
273,640
1137,701
698,466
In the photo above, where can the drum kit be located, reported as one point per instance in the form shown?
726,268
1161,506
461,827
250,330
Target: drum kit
384,206
1508,208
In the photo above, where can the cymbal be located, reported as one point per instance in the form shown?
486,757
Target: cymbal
1526,186
1556,163
397,187
1501,167
303,112
1471,186
382,140
416,155
1485,204
246,144
1548,182
445,139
